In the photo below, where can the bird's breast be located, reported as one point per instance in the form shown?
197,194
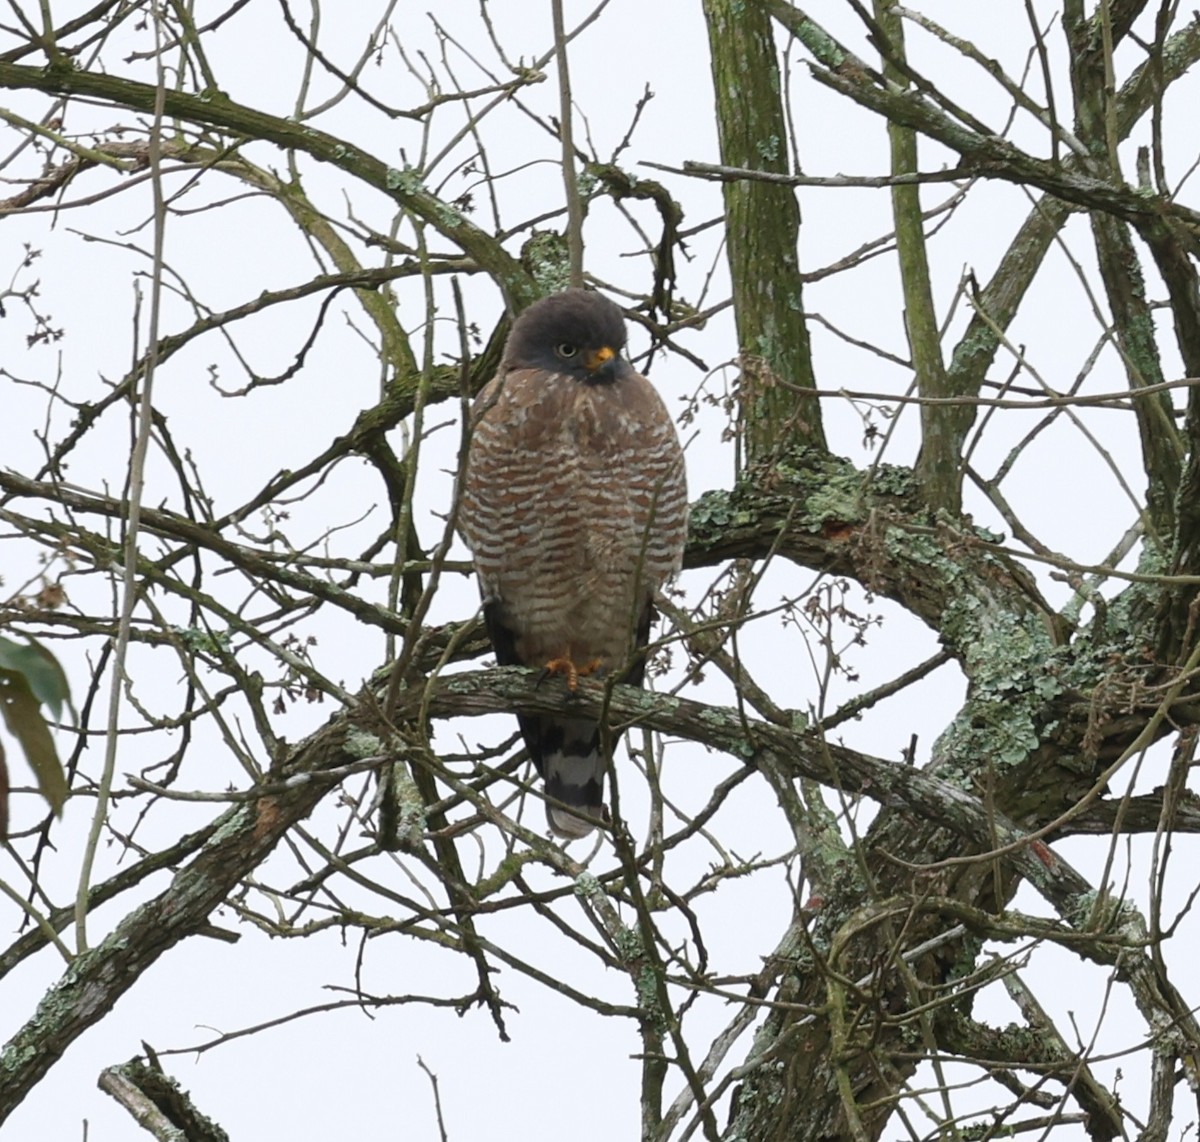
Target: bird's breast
575,511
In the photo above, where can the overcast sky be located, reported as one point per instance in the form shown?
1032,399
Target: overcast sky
566,1071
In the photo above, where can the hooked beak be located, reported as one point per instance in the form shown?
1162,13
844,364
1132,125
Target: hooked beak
604,364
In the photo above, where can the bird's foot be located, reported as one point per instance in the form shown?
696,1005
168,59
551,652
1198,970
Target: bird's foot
565,665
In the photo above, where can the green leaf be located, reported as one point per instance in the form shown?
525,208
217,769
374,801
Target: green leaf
41,670
23,717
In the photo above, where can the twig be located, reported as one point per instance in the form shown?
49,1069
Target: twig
137,469
437,1099
570,182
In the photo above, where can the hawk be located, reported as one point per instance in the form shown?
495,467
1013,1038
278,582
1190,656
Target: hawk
574,506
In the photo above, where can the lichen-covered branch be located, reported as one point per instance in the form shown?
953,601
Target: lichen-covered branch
762,225
1092,40
158,1104
1001,297
1133,324
215,109
98,978
943,427
876,527
985,153
887,881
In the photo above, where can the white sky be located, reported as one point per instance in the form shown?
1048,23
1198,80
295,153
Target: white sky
566,1071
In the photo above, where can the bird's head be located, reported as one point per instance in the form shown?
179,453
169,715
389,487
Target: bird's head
576,333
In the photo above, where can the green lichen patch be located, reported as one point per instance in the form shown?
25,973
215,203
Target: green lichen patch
1015,672
587,886
406,181
546,257
359,744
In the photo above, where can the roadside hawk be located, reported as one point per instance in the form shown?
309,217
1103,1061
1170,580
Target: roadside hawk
574,506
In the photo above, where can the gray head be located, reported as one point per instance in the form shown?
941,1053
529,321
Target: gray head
577,332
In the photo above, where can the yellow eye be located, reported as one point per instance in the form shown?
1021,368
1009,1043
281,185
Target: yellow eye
566,350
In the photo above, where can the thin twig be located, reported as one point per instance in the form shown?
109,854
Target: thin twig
570,182
137,470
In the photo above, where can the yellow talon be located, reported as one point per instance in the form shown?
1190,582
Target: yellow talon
565,665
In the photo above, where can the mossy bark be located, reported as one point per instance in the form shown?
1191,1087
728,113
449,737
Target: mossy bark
943,427
762,227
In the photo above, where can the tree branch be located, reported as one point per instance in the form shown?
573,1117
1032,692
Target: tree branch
943,428
217,110
763,233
